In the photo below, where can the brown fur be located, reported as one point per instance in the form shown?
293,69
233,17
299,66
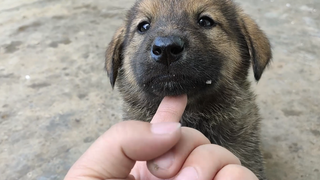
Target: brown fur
224,109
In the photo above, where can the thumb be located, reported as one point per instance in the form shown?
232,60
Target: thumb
113,155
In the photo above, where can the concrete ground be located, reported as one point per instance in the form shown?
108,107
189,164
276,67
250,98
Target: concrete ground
55,98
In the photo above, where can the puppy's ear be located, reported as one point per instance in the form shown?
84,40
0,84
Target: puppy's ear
114,55
258,45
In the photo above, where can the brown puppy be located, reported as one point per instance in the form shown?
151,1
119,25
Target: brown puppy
202,48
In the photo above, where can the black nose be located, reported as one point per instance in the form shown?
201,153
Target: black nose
167,50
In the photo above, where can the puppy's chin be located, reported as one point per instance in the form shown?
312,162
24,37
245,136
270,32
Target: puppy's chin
173,85
168,89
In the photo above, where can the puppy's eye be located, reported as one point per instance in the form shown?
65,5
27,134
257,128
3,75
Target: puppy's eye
143,27
206,22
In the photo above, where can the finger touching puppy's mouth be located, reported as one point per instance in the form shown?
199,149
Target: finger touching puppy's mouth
174,84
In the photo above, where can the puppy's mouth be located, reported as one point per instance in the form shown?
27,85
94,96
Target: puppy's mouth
174,84
169,78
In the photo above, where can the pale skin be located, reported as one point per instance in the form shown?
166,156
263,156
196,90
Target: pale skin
162,149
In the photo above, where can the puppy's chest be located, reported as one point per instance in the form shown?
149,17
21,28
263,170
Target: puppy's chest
209,125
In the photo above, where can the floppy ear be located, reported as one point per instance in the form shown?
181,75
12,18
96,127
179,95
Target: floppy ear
114,55
258,45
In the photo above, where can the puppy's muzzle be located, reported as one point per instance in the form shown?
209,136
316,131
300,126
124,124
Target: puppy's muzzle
166,50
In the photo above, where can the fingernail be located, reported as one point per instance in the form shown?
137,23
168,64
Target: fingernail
165,128
188,173
164,162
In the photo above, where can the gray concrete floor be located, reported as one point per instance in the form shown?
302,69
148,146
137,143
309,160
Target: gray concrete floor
55,98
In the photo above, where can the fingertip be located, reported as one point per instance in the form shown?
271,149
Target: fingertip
170,109
180,100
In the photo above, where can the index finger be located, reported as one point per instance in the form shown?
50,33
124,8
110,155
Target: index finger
170,109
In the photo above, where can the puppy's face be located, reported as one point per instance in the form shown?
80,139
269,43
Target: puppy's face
172,47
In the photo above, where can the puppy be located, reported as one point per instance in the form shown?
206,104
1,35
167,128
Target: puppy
202,48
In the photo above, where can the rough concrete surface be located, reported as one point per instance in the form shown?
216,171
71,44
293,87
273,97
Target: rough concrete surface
55,98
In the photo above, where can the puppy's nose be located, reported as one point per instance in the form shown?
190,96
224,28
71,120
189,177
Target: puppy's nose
167,50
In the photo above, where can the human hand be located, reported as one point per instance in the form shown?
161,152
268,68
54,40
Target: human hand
158,150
